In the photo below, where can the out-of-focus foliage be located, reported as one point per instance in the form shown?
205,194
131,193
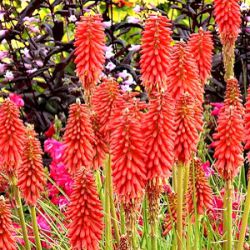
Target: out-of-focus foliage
37,52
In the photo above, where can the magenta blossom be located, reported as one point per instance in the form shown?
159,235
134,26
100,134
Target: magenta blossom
42,223
54,148
17,99
207,169
217,107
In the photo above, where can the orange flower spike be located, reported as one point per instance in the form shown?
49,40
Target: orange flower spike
31,175
78,139
201,47
230,133
185,128
104,103
12,133
100,145
7,241
228,18
155,53
90,46
183,73
85,213
198,186
247,123
159,135
128,156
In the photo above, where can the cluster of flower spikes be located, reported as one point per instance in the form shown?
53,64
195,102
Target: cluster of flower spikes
31,175
186,133
155,53
230,133
85,213
7,241
12,132
104,102
159,136
90,46
171,214
78,139
128,154
201,47
228,18
199,192
247,125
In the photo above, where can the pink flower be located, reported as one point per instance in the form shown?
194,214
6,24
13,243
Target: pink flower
63,202
17,99
54,148
217,107
207,169
42,223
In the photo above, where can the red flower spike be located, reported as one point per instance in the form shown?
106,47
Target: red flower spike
128,156
12,133
7,241
78,139
100,145
104,103
159,135
155,53
247,122
31,175
183,73
186,132
85,213
90,46
201,47
228,142
198,186
228,18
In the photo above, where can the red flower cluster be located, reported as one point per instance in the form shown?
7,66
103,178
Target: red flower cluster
187,136
85,213
104,102
183,73
7,241
247,123
198,187
128,156
78,139
155,53
230,134
90,46
12,133
228,17
201,47
31,175
159,136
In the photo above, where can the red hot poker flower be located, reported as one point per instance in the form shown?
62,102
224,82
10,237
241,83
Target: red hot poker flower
198,187
183,73
85,213
78,139
128,156
7,241
247,122
104,103
31,175
12,133
187,136
228,18
90,46
159,136
201,47
155,53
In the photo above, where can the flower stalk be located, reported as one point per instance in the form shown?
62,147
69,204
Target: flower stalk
35,228
229,200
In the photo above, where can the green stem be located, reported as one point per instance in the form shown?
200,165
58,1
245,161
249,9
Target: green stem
107,217
244,220
99,185
20,213
122,214
180,175
153,227
35,228
229,214
225,222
